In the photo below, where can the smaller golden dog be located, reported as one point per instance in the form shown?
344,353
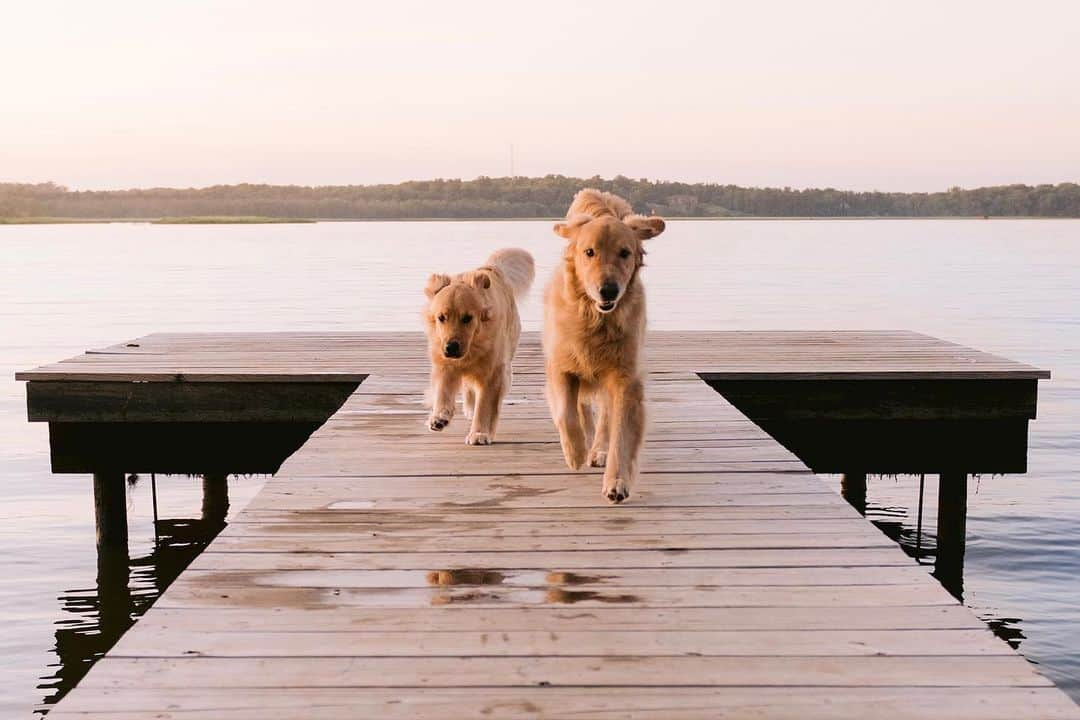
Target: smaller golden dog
473,328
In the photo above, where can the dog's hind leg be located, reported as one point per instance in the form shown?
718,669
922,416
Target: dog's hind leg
585,415
601,440
488,403
562,394
627,428
444,389
468,400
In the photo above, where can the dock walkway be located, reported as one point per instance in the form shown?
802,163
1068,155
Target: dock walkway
389,572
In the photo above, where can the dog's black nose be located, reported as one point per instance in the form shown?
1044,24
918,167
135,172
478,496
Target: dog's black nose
452,349
609,291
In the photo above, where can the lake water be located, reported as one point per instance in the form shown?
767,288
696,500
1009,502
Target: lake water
1006,286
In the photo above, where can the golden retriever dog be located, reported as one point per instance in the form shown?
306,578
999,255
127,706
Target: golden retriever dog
473,328
594,325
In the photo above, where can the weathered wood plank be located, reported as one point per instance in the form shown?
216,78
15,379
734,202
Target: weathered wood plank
463,618
674,556
232,357
147,674
216,590
688,703
538,643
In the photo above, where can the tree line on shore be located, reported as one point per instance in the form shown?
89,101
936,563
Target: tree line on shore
524,197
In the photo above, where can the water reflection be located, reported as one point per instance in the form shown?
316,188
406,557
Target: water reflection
1008,629
921,544
126,587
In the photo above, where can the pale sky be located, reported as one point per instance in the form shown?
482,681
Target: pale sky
915,95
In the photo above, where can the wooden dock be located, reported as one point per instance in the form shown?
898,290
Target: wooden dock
389,572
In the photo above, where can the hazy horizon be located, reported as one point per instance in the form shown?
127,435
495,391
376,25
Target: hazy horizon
516,177
840,94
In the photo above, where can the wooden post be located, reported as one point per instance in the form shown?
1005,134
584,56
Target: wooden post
951,531
110,509
215,500
853,489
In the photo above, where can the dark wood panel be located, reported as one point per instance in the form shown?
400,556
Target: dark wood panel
879,399
905,446
188,448
82,401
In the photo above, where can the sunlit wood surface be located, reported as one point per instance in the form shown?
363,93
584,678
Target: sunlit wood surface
322,357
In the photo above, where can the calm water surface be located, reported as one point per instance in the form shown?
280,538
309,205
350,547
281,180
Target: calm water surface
1006,286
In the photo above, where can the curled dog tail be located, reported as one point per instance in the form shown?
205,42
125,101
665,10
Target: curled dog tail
516,266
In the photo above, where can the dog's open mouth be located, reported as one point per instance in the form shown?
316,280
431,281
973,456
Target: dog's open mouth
606,307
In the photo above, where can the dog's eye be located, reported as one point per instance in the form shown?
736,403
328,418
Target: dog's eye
624,253
466,319
589,252
442,318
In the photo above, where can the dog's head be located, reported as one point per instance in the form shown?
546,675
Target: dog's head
606,252
455,311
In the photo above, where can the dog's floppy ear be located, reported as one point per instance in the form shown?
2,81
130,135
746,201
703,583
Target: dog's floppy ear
481,280
570,227
436,283
644,226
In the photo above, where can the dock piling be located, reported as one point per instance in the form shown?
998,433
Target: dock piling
215,499
853,488
951,531
110,508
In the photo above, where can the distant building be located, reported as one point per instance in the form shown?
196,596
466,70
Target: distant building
683,203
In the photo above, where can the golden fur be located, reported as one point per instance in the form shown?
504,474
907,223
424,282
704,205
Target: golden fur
473,327
592,342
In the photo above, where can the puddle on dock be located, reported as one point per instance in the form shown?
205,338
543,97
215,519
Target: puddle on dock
530,584
570,597
529,596
411,588
465,576
404,579
506,492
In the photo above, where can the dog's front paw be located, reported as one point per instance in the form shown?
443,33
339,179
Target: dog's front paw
438,420
479,438
598,458
615,490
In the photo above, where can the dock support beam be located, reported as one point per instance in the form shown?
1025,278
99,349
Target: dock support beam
110,509
951,531
853,488
215,499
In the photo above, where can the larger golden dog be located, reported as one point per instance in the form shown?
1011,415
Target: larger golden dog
473,329
594,325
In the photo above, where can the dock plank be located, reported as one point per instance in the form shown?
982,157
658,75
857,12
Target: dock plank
688,703
348,357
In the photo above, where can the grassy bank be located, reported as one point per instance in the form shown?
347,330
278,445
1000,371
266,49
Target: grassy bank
228,220
55,220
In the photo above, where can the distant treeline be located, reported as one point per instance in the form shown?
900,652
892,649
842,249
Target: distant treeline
522,197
